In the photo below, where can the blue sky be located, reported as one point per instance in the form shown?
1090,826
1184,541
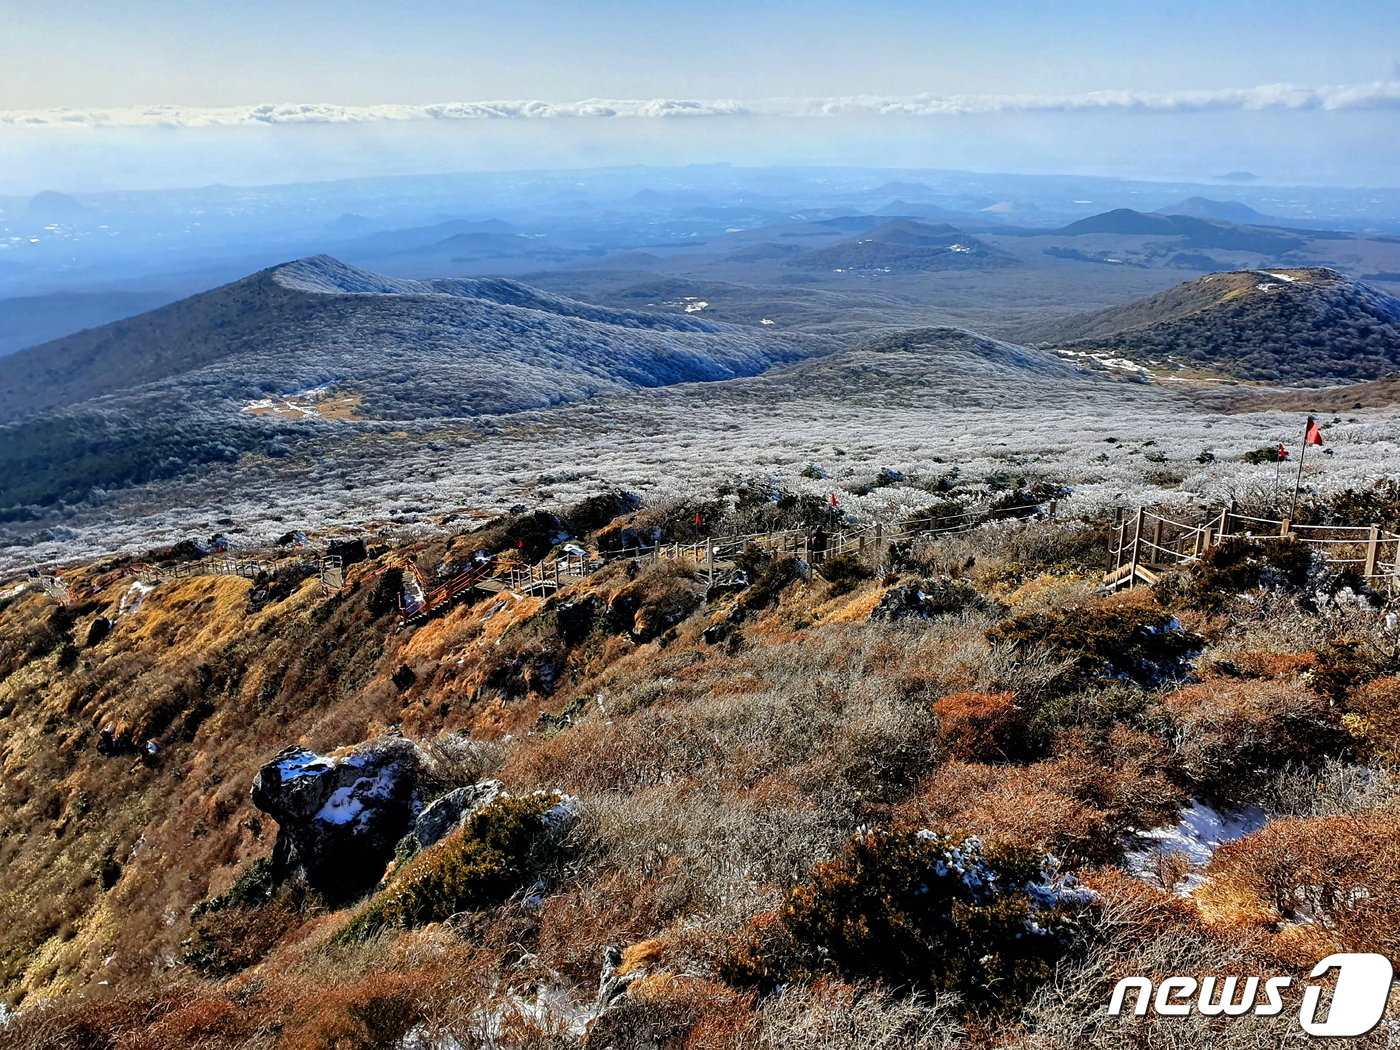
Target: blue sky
139,52
193,56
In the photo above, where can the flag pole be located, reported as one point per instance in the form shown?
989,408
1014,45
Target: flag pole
1298,483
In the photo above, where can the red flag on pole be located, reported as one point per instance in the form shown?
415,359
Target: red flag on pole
1282,452
833,498
698,518
1313,435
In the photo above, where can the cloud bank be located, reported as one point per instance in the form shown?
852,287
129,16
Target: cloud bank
1379,95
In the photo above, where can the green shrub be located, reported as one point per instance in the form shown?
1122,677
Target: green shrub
921,912
254,887
1238,565
1137,643
1267,454
844,572
502,847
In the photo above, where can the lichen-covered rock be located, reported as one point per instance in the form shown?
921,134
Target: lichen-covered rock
339,816
446,813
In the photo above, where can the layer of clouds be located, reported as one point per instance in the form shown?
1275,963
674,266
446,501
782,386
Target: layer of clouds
1286,97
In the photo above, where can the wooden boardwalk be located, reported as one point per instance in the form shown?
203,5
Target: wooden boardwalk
1148,543
715,559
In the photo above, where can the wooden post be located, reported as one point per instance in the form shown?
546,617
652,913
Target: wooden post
1156,539
1119,537
1050,513
710,557
1137,536
1285,527
1227,519
1373,549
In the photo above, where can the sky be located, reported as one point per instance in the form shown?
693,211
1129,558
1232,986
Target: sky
132,92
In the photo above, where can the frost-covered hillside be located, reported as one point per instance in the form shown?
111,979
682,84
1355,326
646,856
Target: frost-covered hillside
410,349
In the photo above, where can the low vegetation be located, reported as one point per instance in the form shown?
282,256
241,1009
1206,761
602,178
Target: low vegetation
895,800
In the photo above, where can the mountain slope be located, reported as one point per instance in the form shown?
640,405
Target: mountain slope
1267,325
283,360
935,367
411,349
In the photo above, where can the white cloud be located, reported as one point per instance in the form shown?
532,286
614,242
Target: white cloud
1378,95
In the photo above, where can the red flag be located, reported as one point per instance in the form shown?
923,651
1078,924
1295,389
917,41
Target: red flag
698,518
1313,434
833,499
1282,452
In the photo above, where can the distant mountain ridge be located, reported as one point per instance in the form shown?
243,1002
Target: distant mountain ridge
244,367
1228,211
414,348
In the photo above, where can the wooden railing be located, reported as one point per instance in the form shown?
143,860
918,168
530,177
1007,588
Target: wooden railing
1146,544
715,557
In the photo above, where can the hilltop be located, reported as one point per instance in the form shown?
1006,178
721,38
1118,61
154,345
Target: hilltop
1286,325
1227,211
905,246
1193,232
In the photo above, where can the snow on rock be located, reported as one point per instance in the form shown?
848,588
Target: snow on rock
1201,831
339,816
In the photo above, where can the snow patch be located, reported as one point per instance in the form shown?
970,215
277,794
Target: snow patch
134,596
302,764
1201,831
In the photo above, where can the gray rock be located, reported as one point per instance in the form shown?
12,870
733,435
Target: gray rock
339,818
446,813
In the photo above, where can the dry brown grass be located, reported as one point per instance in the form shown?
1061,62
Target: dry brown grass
711,779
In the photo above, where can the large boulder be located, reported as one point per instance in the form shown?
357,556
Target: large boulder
339,816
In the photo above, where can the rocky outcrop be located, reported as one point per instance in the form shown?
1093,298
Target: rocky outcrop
446,813
340,816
